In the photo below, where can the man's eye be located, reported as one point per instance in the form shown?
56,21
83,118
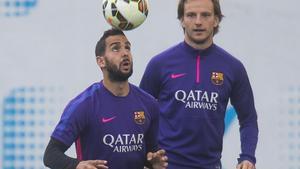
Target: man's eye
205,15
128,48
115,49
190,15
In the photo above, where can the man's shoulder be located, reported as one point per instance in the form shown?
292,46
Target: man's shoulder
222,53
89,92
169,52
142,94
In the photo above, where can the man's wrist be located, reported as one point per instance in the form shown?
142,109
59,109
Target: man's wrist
148,165
248,158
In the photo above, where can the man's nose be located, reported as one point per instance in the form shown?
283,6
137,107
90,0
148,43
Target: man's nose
198,20
125,52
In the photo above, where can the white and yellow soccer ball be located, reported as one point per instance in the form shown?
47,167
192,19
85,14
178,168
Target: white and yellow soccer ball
125,14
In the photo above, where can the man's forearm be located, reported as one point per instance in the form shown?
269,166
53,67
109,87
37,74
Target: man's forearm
55,157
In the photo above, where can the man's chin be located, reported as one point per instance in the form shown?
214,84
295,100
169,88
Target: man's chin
121,77
200,41
126,72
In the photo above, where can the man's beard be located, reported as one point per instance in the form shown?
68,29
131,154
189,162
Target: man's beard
114,74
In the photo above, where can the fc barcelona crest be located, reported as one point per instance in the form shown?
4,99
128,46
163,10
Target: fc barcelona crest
217,78
139,117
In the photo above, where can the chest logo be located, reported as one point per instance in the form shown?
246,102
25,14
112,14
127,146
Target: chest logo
175,76
106,120
217,78
139,117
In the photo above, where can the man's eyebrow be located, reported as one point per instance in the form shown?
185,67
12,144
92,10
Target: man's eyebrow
128,43
115,43
118,43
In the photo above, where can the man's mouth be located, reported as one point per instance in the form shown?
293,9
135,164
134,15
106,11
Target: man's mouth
125,64
199,30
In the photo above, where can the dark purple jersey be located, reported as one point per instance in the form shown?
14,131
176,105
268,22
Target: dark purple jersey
193,89
106,127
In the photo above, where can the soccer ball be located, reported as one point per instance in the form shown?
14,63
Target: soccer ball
125,14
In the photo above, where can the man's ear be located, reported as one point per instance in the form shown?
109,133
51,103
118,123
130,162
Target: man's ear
217,21
100,61
182,23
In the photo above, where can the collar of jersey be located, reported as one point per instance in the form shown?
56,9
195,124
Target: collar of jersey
197,52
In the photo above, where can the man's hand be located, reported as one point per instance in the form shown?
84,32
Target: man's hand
92,164
158,159
245,165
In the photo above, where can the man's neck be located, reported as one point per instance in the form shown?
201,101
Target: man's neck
117,88
201,46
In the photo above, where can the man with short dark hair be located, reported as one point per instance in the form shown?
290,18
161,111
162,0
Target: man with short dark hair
113,122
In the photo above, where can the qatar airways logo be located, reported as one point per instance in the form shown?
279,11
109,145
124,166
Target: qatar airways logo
198,99
124,142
